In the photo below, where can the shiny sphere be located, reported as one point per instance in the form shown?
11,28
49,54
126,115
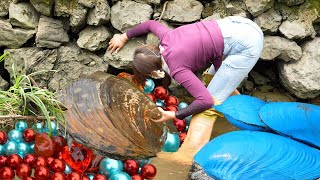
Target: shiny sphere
180,124
10,147
159,103
110,166
42,173
38,127
148,171
21,126
58,176
6,173
171,108
23,148
172,143
28,178
29,135
57,165
136,177
74,175
1,150
40,161
171,100
14,160
84,177
131,166
3,161
152,97
143,162
161,93
31,147
15,135
182,136
23,170
29,159
54,128
149,86
99,177
3,137
49,161
188,119
68,169
90,176
120,176
182,105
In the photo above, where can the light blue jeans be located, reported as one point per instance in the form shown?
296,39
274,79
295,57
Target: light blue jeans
243,43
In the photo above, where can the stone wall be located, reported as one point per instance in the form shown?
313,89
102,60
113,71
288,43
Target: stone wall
71,36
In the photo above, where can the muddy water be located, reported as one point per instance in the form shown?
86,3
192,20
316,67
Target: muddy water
169,170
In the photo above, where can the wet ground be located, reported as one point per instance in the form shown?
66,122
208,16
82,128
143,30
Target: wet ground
168,170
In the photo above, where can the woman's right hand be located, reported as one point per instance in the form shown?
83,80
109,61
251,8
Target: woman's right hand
117,42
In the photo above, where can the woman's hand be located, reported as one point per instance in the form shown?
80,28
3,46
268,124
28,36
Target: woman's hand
117,42
166,115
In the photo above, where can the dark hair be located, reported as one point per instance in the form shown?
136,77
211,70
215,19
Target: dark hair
147,59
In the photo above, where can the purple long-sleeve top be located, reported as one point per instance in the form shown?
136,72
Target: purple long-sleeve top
187,49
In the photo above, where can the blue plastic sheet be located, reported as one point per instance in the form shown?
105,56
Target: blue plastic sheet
258,155
300,121
242,111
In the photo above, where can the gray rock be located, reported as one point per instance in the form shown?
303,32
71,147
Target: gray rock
292,2
126,14
157,2
4,7
73,62
237,8
23,15
302,77
258,7
281,48
100,14
269,21
87,3
123,59
13,37
51,33
78,17
183,11
197,173
30,60
94,38
43,6
259,79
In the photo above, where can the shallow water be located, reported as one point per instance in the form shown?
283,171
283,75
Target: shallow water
169,170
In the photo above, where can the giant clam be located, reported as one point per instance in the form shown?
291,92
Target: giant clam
112,117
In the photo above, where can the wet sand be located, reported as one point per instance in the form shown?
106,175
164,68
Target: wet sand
169,170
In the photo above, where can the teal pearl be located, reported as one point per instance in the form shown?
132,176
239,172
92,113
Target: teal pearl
149,86
182,105
10,147
187,128
90,176
159,103
1,150
31,150
21,155
172,143
15,135
23,148
120,176
21,126
54,128
188,119
143,162
68,169
110,166
38,127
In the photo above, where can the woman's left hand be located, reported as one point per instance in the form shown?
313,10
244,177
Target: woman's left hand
166,115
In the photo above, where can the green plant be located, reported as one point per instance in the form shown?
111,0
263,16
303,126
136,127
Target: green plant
24,99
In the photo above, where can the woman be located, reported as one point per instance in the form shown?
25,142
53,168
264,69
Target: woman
187,49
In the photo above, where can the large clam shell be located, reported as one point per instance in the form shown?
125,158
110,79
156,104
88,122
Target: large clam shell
112,117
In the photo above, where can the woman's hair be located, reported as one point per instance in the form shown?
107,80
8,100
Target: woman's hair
146,59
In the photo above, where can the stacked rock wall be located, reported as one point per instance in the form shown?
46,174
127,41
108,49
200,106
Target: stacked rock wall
71,36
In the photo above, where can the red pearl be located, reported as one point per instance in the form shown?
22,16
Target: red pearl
14,160
58,176
85,178
58,165
74,176
28,178
99,177
49,160
23,170
182,136
42,173
29,135
29,159
180,124
152,97
148,171
171,100
6,173
3,137
136,177
3,161
59,156
40,161
161,93
171,108
131,166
